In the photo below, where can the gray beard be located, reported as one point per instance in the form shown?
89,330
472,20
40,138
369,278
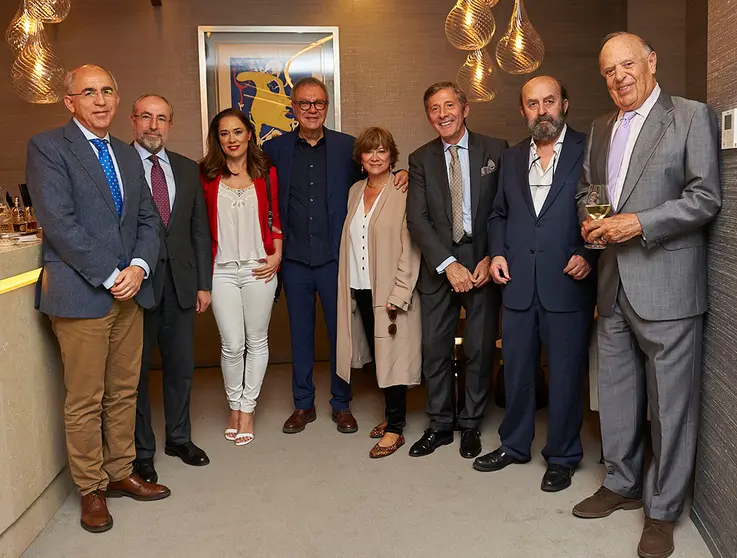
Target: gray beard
546,130
152,146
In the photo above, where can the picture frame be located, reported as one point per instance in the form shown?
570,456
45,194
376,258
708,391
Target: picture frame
254,68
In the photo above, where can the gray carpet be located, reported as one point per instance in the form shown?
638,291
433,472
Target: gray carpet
317,494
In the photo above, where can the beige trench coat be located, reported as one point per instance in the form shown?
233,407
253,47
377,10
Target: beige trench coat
394,264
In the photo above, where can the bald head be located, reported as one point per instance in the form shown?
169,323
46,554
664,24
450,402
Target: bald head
544,105
628,65
86,69
92,97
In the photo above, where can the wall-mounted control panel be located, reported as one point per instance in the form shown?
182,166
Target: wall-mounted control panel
729,136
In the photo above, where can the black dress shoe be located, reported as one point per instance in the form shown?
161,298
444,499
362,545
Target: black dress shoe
144,468
557,477
470,443
496,461
430,441
189,453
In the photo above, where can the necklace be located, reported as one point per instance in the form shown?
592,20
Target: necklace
235,173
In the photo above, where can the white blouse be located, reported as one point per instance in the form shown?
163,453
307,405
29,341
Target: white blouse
239,230
360,273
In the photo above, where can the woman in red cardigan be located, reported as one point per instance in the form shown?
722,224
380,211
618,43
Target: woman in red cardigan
246,254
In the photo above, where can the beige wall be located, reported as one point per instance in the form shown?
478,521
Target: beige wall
391,50
32,449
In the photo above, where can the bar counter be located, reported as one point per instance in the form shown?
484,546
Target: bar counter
34,478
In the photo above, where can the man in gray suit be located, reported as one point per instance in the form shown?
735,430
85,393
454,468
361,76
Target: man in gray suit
182,282
658,156
453,181
100,243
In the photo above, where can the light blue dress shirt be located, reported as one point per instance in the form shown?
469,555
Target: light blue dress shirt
465,162
110,281
165,165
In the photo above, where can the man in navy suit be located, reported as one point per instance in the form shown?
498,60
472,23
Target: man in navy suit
316,169
548,294
100,245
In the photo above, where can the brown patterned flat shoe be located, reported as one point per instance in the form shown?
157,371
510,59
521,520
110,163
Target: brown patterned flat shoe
378,431
379,451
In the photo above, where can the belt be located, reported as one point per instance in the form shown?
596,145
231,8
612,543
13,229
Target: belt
465,239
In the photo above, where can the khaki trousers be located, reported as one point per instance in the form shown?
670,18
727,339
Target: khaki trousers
102,364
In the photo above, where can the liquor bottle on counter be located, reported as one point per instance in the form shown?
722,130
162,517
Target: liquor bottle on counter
6,217
31,223
19,219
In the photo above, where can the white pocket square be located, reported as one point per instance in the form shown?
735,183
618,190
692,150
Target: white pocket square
489,168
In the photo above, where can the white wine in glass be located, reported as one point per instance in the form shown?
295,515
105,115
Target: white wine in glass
598,207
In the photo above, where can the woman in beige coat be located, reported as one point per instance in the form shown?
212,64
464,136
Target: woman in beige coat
378,313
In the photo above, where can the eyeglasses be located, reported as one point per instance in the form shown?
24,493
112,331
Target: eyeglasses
106,92
307,105
393,318
147,118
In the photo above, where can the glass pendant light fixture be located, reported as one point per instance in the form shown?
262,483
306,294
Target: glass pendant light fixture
21,27
521,49
478,77
470,25
37,74
48,11
491,3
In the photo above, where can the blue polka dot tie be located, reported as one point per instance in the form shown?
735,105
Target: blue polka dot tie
107,167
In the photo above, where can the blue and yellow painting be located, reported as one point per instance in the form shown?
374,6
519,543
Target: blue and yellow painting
260,88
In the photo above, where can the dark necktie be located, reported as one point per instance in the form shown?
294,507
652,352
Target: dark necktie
107,167
160,190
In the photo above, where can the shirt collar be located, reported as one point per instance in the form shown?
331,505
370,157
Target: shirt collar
89,135
462,143
558,143
300,140
145,154
647,106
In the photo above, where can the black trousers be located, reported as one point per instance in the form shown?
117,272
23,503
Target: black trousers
440,314
395,396
172,328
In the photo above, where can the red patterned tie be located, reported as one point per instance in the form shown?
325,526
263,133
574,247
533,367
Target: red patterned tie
160,190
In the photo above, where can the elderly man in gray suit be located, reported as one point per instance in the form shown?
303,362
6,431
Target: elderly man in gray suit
100,244
658,156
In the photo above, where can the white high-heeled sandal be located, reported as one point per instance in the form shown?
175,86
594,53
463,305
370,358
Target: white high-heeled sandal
231,434
244,438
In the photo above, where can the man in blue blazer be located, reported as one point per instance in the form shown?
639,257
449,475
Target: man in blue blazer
548,294
316,169
100,244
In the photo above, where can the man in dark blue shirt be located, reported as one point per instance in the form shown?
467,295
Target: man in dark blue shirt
316,169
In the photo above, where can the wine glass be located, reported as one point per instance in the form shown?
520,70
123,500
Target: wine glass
597,206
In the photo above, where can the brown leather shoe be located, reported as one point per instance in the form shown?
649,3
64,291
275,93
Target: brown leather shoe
657,539
346,422
95,516
603,503
298,420
380,451
138,489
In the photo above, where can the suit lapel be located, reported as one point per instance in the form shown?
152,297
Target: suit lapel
123,168
600,150
87,156
476,161
523,175
329,164
657,122
569,156
441,172
179,184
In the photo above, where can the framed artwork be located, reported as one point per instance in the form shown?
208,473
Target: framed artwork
255,68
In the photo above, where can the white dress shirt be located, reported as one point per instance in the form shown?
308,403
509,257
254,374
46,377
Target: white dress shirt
638,121
110,281
360,277
165,165
464,160
541,179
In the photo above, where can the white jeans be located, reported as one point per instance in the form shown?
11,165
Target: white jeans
242,306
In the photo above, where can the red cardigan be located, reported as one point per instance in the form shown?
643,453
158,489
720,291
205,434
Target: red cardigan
211,202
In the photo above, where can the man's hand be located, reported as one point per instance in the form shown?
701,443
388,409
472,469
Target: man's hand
481,275
500,270
127,283
619,228
401,180
269,269
460,278
203,301
577,267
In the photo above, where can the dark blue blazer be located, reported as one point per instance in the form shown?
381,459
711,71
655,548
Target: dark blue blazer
538,248
342,173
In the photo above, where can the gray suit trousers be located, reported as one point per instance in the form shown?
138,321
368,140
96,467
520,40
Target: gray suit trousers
655,363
